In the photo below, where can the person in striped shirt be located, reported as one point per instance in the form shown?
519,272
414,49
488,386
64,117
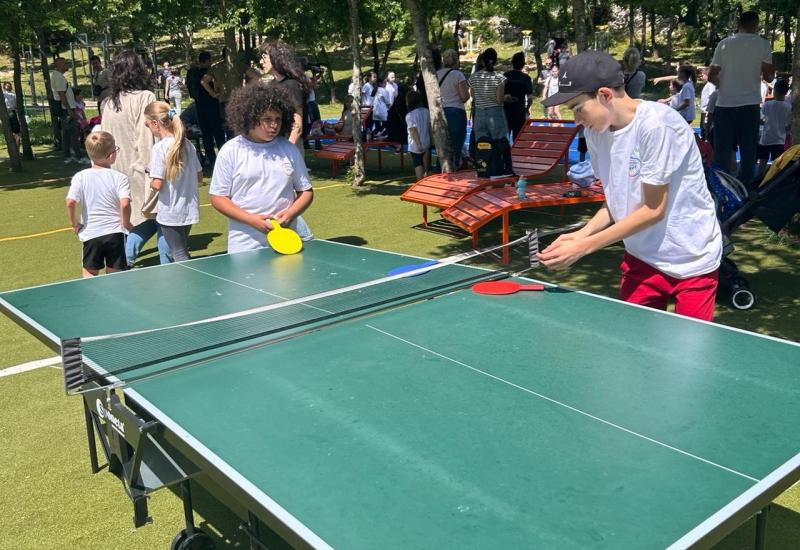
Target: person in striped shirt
488,95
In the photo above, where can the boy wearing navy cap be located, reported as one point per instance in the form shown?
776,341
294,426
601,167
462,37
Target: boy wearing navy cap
657,201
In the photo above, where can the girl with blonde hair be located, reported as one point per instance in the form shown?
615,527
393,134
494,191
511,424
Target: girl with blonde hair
175,173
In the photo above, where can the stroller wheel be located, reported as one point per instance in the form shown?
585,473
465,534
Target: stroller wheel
742,298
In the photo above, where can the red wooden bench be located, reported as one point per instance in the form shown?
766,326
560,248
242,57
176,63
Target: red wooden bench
475,210
540,147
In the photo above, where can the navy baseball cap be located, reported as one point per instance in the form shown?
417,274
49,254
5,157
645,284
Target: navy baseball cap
587,72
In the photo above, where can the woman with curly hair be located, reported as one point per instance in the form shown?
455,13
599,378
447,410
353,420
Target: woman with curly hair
260,175
279,60
124,118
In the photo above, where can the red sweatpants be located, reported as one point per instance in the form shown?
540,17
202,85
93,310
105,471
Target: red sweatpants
645,285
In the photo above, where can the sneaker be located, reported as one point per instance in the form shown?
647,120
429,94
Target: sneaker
85,161
70,160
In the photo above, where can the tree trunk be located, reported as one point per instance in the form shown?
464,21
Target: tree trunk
711,37
187,37
54,105
16,53
355,111
796,85
644,30
631,27
327,76
456,41
441,136
376,60
653,34
11,144
388,48
673,24
579,17
787,41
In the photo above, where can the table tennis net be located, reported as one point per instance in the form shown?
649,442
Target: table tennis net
119,359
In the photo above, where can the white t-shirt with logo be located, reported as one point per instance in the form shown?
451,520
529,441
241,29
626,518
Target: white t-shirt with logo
99,190
260,178
658,148
178,202
420,119
58,82
776,117
740,57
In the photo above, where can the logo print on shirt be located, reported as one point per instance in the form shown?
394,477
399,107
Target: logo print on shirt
634,166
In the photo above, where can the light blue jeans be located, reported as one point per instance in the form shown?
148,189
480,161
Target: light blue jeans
490,123
140,235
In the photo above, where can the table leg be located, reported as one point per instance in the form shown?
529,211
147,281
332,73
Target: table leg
380,160
505,238
402,163
90,437
761,529
335,165
425,215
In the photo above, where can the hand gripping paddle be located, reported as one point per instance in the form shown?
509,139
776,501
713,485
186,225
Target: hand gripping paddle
283,240
503,287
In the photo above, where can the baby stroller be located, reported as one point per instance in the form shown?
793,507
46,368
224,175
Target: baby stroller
773,199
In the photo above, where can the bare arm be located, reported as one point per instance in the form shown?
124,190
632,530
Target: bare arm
73,216
156,183
660,79
463,91
500,93
226,207
565,252
414,133
125,213
297,129
207,82
303,201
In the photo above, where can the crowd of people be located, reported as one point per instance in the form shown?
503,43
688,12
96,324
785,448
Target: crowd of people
145,170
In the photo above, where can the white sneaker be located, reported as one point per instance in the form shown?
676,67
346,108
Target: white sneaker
85,161
70,160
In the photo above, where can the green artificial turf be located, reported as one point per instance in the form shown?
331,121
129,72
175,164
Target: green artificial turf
49,497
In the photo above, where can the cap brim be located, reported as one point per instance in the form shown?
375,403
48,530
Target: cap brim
559,98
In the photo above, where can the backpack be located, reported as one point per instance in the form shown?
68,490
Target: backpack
493,157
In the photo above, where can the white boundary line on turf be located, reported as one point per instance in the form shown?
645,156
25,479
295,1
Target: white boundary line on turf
32,365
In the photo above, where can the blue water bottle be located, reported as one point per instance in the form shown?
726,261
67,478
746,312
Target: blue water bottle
521,183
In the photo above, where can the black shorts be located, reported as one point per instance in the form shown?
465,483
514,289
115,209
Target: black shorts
582,145
764,152
417,159
105,251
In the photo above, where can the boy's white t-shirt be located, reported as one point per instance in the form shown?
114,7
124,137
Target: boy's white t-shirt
178,202
99,190
776,117
740,57
421,120
708,89
659,148
261,178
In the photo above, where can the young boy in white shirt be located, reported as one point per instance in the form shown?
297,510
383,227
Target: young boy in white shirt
105,215
657,201
775,117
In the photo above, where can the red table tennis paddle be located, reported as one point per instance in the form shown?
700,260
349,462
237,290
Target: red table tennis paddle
503,287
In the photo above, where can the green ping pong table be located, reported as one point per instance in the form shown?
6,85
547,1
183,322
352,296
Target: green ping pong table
553,419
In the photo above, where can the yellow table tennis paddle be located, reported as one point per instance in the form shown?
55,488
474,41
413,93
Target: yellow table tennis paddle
283,240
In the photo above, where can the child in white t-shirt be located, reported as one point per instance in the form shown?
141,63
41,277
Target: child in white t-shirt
175,173
418,121
657,201
105,203
775,120
380,111
260,175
